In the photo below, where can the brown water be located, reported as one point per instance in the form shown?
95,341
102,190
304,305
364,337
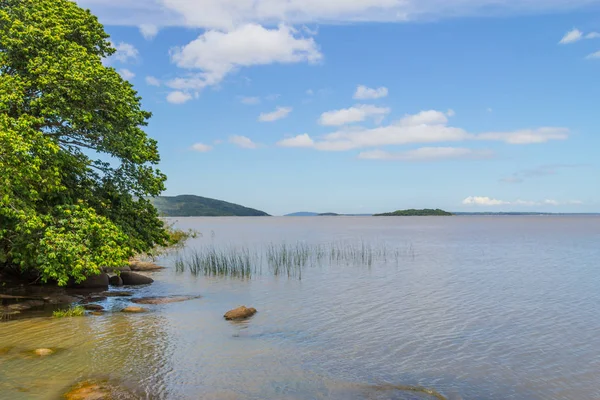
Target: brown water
474,307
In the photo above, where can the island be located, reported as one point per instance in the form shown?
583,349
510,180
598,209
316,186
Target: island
416,213
196,206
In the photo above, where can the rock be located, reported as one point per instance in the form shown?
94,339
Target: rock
113,270
18,307
93,307
99,390
61,299
137,265
43,352
97,313
93,282
240,313
93,299
133,309
163,300
131,278
117,294
115,281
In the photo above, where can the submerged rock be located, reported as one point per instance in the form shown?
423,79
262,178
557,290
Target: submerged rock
115,281
97,313
98,390
137,265
117,294
43,352
93,307
131,278
133,309
240,313
163,300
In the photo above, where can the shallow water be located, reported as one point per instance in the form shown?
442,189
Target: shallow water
474,307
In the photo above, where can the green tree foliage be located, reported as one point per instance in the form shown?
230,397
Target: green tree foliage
76,166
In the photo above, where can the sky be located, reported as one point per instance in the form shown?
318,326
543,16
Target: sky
364,106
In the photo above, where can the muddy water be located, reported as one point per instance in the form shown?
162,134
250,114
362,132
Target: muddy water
476,308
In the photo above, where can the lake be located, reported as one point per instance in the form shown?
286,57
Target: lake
472,307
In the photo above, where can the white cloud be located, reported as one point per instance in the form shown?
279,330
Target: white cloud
126,74
527,136
216,54
593,55
427,154
178,97
425,127
350,115
483,201
310,92
487,201
279,113
152,81
201,147
228,14
149,31
250,100
125,52
366,93
297,141
572,36
490,109
242,141
593,35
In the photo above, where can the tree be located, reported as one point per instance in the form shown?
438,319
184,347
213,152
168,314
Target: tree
76,166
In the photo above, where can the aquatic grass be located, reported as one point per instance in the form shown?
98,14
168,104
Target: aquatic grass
281,259
75,311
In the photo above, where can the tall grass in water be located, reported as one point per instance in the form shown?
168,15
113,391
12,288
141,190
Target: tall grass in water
75,311
281,259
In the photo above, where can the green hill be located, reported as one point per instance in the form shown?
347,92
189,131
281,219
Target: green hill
415,213
196,206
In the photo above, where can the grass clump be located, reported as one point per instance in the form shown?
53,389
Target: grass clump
75,311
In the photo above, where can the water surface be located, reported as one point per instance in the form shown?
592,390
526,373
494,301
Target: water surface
473,307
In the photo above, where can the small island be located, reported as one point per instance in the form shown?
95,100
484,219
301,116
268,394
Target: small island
416,213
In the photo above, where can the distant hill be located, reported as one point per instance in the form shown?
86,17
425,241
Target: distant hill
196,206
302,214
415,213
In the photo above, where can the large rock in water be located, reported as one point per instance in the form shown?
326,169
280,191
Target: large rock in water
116,281
240,313
93,282
131,278
134,310
137,265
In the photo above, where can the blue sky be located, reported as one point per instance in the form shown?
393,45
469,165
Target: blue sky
360,106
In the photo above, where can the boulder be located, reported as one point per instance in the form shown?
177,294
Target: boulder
131,278
137,265
43,352
163,300
93,307
240,313
133,309
115,281
93,282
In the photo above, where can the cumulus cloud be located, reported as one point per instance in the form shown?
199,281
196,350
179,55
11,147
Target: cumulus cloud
279,113
215,54
303,140
354,114
595,55
250,100
178,97
427,154
242,141
366,93
126,74
488,201
125,53
425,127
152,81
572,36
527,136
149,31
201,147
228,14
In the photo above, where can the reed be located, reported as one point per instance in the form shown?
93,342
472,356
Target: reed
75,311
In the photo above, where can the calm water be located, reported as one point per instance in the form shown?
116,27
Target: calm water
474,307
